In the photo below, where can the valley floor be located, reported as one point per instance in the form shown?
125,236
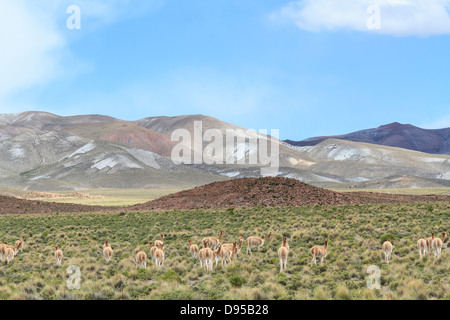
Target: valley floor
355,235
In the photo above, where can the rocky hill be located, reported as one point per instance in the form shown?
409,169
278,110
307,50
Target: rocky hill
269,192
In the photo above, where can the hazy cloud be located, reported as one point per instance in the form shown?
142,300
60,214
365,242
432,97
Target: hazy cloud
398,17
34,38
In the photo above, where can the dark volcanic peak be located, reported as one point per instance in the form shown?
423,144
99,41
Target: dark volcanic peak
395,134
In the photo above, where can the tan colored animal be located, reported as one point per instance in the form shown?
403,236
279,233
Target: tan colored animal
206,256
283,253
319,252
236,249
152,251
422,246
2,251
107,251
159,256
58,256
224,254
256,241
3,247
160,243
20,243
10,253
387,250
140,260
193,249
429,241
213,242
436,244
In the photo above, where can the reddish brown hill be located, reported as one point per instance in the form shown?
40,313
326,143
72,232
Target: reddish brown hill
269,192
127,133
11,205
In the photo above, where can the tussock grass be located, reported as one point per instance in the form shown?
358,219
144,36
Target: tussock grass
355,235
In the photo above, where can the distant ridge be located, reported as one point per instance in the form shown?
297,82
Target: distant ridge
47,152
406,136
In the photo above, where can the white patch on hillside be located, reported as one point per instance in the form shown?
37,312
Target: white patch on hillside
342,154
84,149
432,160
444,176
357,179
17,152
146,157
322,178
39,178
113,161
231,174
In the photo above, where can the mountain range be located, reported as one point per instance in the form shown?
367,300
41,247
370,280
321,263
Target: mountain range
43,151
393,135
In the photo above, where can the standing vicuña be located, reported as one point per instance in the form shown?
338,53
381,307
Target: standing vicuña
159,243
140,260
159,256
437,245
224,253
152,251
319,252
256,241
10,253
20,243
283,254
429,241
213,242
422,246
107,251
387,249
58,256
193,249
205,256
4,247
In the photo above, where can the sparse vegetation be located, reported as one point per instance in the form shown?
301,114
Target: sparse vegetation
355,236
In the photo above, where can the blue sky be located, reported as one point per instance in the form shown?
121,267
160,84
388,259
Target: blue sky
305,67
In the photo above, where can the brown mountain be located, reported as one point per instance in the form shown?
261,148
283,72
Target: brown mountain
394,135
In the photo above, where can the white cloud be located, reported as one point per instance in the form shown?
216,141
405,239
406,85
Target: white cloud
397,17
443,122
35,42
31,47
